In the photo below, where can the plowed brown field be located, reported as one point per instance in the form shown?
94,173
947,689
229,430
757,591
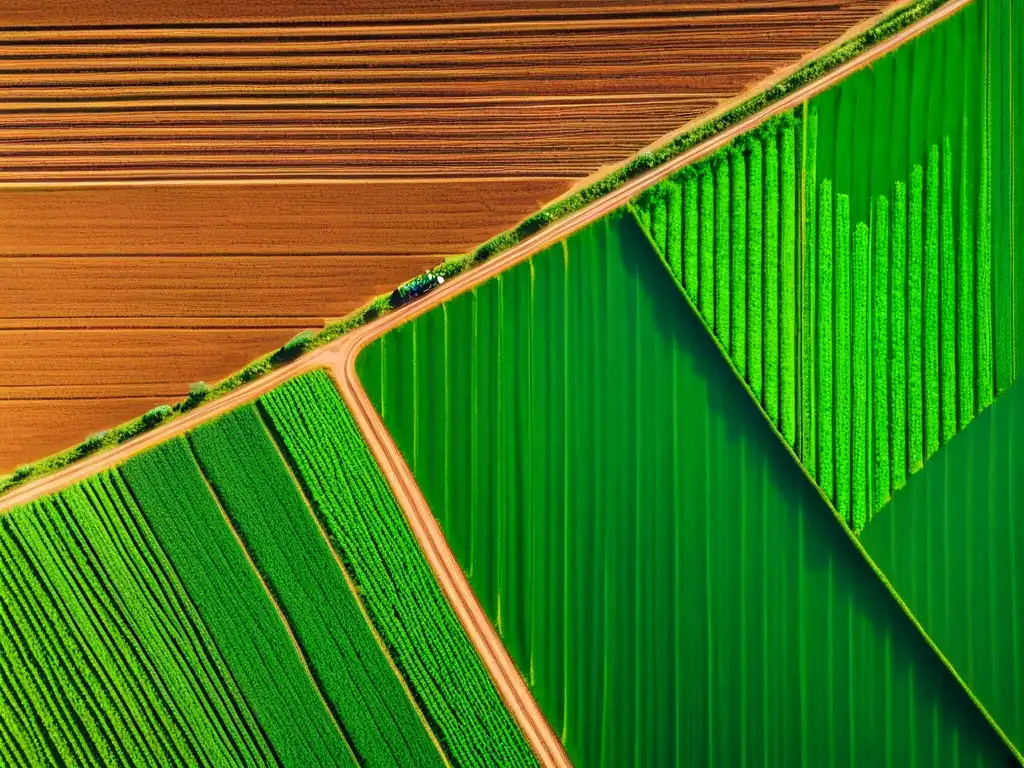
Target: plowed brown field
405,136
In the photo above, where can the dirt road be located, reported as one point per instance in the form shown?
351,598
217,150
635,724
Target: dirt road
339,358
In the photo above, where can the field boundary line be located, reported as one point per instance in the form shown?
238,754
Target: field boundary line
466,280
853,537
481,632
273,601
352,588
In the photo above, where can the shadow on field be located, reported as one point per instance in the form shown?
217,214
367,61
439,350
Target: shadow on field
824,539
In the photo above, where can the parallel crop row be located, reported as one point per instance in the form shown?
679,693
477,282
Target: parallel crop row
401,595
151,616
254,487
657,567
190,527
104,658
852,261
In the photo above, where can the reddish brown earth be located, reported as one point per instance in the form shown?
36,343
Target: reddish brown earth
434,130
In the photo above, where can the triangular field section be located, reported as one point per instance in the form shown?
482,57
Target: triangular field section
854,258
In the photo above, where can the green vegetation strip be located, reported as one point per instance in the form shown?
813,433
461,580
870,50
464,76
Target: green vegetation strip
887,27
905,360
662,574
188,523
104,657
368,530
254,487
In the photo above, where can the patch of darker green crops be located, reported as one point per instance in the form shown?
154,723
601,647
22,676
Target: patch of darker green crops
723,288
843,346
882,438
867,363
951,543
826,343
897,318
690,229
768,138
787,282
660,572
809,280
755,251
959,573
674,229
859,459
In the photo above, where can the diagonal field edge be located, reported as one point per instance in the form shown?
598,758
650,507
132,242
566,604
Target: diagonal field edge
704,140
854,540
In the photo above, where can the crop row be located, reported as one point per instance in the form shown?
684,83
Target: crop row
354,503
656,565
902,361
155,616
253,485
191,529
104,658
868,308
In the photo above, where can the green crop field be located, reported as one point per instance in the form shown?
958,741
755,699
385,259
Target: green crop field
190,527
863,259
672,588
199,604
909,330
952,544
640,445
253,485
367,528
106,658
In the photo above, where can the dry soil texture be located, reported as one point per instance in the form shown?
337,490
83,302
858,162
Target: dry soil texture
404,136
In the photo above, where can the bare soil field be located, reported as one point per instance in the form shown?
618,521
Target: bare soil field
553,89
249,169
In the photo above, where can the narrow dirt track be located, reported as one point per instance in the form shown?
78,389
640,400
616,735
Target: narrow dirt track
339,358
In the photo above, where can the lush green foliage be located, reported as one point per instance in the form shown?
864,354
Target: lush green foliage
278,529
671,587
104,657
152,616
190,527
292,348
355,505
951,543
864,375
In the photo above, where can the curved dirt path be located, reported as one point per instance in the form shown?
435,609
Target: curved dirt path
339,358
